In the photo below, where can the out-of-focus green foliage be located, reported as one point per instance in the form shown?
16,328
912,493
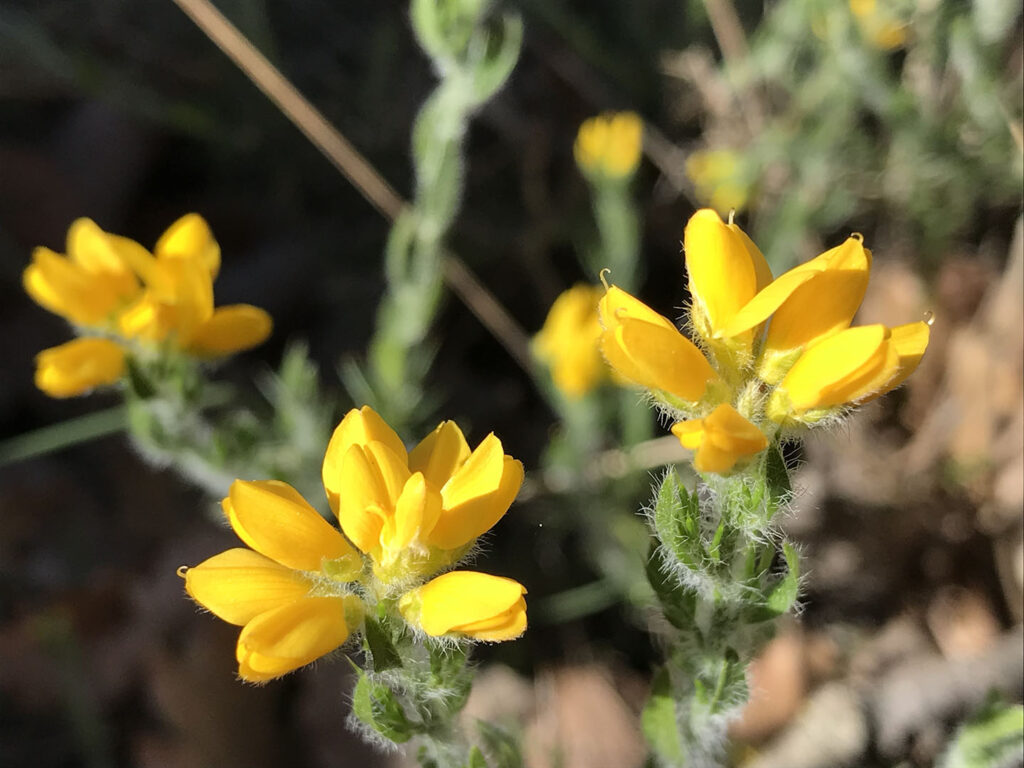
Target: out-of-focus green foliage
900,115
992,739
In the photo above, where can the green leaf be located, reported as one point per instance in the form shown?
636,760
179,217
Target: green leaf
677,521
377,706
659,720
992,739
678,603
450,676
493,54
476,759
784,594
501,746
377,635
777,479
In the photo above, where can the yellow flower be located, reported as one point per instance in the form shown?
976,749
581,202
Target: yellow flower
568,342
78,366
415,513
848,368
111,285
720,439
467,604
89,285
609,146
780,353
289,592
647,349
717,177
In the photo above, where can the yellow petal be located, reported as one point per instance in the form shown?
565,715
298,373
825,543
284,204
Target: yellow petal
274,519
92,249
507,625
477,495
147,319
185,285
762,272
231,329
239,584
416,513
291,636
723,276
826,304
78,366
690,433
657,358
190,238
456,601
440,454
359,499
69,290
909,342
133,255
617,305
359,427
829,371
727,429
721,439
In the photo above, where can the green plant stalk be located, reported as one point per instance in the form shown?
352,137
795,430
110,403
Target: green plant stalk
474,52
411,693
722,574
166,396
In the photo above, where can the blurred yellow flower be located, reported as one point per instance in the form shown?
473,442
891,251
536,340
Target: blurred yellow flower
568,342
878,25
720,440
609,145
467,604
109,285
290,591
414,513
717,176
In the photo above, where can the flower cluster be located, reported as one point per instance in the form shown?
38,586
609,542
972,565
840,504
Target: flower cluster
608,146
771,355
567,343
122,298
304,586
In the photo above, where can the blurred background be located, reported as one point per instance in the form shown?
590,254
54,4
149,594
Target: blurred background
810,119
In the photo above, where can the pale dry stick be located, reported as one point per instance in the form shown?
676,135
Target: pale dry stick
725,24
352,165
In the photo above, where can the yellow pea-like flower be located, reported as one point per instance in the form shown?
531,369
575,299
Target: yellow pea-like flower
851,367
78,366
569,341
290,591
415,512
608,146
467,604
721,439
112,285
647,349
